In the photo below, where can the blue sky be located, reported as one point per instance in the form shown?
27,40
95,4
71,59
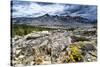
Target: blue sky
35,9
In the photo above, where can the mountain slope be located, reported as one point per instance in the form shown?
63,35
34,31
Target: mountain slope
52,20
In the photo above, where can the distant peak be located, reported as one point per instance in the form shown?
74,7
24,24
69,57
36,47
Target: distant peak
47,14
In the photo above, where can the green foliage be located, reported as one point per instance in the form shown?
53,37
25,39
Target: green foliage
74,54
22,29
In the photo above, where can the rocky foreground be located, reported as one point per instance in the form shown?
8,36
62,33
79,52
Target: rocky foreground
52,47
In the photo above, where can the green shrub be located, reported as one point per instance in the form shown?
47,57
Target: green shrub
76,53
22,29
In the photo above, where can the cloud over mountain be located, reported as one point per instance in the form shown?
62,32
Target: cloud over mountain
35,9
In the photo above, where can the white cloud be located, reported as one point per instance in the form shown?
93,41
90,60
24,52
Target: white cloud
34,9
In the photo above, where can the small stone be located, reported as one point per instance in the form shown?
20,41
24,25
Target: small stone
21,56
18,51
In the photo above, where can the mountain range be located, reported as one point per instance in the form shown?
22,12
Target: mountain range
53,20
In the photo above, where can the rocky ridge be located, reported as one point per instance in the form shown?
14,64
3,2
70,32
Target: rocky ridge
50,47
